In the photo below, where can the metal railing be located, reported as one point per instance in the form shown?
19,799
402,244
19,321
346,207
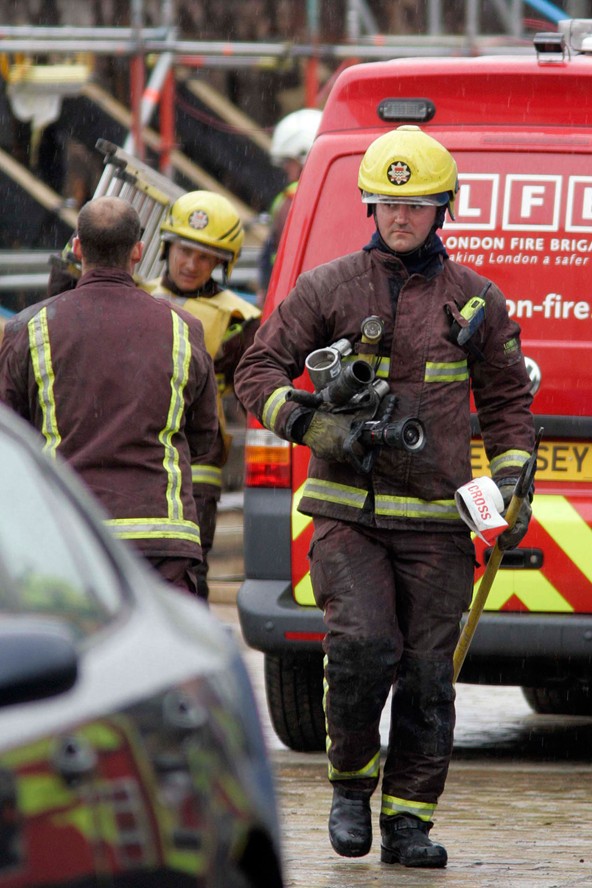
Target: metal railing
27,271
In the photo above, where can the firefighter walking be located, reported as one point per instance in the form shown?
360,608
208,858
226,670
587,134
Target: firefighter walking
391,561
201,231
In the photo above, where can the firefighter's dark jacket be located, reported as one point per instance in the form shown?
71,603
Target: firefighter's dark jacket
430,375
229,324
121,386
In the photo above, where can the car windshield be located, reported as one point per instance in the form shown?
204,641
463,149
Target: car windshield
51,562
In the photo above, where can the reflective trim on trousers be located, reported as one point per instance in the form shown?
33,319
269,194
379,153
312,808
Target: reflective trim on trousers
372,769
391,806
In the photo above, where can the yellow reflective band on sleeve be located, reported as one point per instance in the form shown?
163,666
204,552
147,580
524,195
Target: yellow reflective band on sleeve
446,371
370,770
391,805
405,507
181,358
153,528
44,376
206,475
274,403
511,459
315,488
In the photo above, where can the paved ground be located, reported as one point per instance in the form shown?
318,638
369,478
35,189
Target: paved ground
517,811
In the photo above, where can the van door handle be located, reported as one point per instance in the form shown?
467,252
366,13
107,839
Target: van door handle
519,559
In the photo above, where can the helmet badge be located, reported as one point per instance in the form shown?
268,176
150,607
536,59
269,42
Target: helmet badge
398,172
198,219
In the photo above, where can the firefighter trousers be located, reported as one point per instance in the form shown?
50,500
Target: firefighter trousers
207,514
392,602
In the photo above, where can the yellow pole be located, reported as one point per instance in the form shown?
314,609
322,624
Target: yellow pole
521,491
483,591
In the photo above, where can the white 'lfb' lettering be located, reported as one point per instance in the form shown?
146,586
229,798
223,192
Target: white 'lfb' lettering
520,202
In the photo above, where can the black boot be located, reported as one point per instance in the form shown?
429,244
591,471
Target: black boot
405,840
350,823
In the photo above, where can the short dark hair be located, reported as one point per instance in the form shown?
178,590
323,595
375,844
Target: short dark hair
108,229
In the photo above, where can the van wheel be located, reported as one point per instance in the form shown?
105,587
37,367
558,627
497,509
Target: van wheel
294,688
576,700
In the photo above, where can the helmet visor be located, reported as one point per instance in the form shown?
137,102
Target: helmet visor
223,255
423,200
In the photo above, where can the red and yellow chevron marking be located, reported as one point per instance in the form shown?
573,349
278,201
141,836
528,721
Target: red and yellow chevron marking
301,531
560,529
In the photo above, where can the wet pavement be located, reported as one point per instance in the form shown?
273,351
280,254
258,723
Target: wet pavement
517,809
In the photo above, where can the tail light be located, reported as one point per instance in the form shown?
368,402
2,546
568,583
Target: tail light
268,459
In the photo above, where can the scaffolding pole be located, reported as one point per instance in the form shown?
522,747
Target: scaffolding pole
137,42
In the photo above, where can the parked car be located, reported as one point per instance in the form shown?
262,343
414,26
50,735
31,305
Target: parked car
130,747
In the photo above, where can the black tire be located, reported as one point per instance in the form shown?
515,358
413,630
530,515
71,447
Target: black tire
575,700
294,688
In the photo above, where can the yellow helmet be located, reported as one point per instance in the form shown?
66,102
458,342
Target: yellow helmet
207,219
407,165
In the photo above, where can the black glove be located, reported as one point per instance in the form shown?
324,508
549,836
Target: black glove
509,539
327,433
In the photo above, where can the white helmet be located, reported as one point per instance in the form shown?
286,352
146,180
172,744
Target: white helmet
293,136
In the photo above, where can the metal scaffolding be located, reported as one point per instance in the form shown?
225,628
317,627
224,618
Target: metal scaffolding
362,42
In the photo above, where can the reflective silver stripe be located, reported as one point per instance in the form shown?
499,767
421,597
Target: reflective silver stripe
509,459
446,371
206,475
393,805
149,528
406,507
181,357
315,488
44,376
369,770
274,403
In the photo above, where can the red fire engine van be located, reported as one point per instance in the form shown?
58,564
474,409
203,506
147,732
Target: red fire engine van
520,128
